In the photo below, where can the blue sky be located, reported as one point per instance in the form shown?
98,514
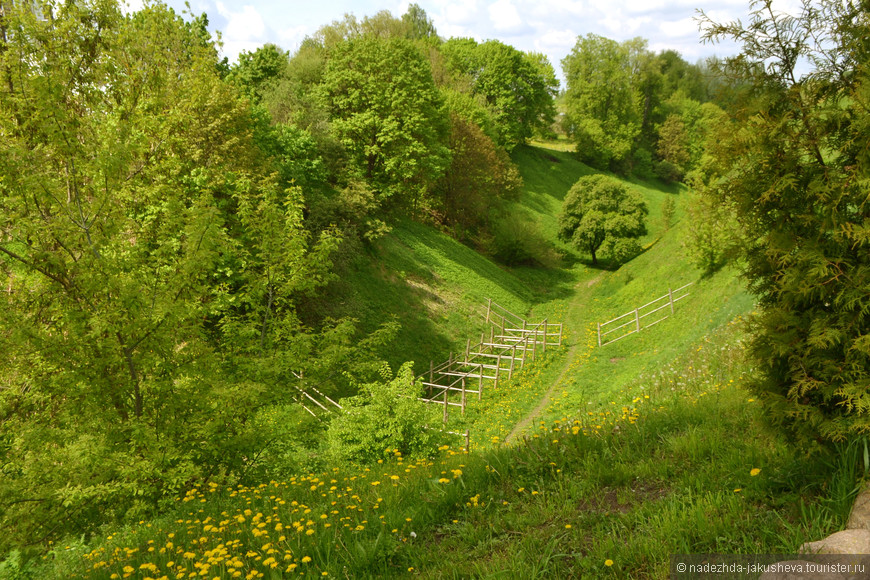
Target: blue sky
548,26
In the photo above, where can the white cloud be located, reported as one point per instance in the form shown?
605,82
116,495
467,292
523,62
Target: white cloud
505,18
683,28
290,38
553,41
246,25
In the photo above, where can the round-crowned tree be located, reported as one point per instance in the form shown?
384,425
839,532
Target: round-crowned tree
601,215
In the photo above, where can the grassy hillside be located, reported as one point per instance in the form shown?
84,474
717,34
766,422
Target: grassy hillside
618,457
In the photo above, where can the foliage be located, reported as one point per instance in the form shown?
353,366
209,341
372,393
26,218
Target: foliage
256,71
600,213
518,87
386,112
479,177
384,418
518,241
602,113
713,232
796,171
152,263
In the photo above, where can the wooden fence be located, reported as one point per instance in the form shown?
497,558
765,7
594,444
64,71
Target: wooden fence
632,322
321,401
511,342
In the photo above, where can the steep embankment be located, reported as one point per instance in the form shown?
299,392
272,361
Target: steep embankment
629,466
581,378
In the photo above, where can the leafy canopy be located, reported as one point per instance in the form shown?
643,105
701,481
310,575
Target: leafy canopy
601,214
387,113
795,169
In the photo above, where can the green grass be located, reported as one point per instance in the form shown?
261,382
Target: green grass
664,475
645,447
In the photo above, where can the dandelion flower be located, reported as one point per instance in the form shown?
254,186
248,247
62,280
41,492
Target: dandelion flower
608,562
755,471
306,559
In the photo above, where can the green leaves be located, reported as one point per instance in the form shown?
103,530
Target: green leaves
153,261
798,187
518,87
389,117
600,213
382,418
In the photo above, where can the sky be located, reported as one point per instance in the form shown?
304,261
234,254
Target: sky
547,26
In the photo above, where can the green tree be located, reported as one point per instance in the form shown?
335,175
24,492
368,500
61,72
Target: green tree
387,113
150,261
518,87
479,178
673,147
601,214
602,112
257,71
797,172
419,25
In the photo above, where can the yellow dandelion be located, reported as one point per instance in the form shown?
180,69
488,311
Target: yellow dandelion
755,471
608,562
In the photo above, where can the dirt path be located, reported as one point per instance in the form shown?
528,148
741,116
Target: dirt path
579,303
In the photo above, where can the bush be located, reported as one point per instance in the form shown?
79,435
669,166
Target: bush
668,172
516,241
600,214
382,418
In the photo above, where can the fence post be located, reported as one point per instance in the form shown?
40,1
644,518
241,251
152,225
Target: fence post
479,382
491,336
599,334
535,349
637,318
445,405
497,369
488,308
463,395
525,348
671,296
513,358
467,349
545,336
467,442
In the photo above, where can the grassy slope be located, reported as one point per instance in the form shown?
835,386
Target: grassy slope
435,286
633,480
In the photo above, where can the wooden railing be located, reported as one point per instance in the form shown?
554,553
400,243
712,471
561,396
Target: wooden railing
632,322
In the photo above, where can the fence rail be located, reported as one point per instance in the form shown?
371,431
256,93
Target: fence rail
511,341
639,314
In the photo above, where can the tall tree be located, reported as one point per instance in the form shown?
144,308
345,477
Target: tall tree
479,178
387,113
518,87
602,113
148,255
797,171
